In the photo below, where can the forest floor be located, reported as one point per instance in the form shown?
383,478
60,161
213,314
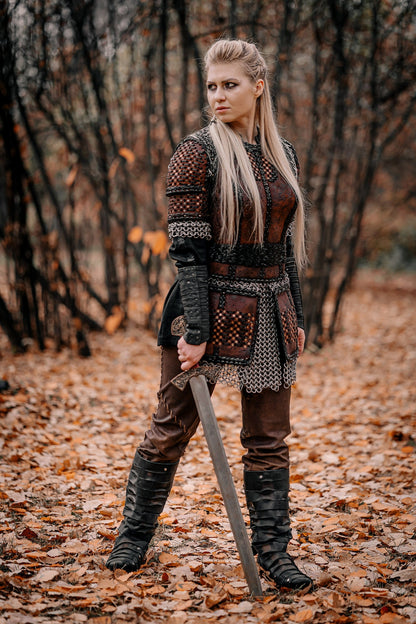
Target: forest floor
69,431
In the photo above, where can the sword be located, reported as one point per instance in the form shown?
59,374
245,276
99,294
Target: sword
200,392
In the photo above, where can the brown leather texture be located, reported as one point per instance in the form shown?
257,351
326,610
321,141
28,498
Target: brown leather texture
233,320
229,270
288,324
194,198
265,422
277,199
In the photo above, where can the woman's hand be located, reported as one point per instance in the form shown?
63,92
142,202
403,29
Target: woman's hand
188,354
301,340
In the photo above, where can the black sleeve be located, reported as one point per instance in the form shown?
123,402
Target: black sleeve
190,231
292,271
191,258
291,267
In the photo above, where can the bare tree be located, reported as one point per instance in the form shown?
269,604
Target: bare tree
363,95
93,99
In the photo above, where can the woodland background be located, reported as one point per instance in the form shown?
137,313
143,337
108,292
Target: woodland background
95,95
93,98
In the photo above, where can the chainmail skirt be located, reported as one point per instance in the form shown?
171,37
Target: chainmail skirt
267,368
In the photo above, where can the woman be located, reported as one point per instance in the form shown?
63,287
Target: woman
236,223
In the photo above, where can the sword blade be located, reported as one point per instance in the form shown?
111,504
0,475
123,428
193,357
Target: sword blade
212,433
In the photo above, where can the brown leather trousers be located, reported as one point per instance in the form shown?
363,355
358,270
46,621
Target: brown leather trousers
265,422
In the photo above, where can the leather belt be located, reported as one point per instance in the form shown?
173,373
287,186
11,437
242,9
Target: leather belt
245,272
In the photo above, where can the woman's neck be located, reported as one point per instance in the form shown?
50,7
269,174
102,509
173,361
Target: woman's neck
247,132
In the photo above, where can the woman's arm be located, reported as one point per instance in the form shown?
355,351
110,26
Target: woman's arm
292,272
188,354
190,232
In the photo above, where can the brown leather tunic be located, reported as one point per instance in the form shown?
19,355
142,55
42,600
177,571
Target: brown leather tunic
246,278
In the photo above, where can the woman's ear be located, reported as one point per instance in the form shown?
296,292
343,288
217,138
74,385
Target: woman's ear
259,88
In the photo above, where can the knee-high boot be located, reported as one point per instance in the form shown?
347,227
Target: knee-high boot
148,487
267,494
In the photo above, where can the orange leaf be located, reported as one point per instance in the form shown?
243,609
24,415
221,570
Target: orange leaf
157,241
113,322
234,591
215,598
106,533
135,234
71,176
126,153
208,532
304,615
360,601
145,255
392,618
169,559
334,600
154,590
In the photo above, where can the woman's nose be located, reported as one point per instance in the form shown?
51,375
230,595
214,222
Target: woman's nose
219,95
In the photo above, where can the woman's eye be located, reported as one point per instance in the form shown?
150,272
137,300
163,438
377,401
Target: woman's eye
230,85
211,87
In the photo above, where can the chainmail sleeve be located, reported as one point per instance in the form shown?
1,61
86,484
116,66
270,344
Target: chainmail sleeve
190,231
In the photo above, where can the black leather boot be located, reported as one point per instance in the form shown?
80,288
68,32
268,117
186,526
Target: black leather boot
267,494
148,487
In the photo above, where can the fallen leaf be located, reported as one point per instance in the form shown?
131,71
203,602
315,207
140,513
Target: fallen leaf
169,559
75,547
69,435
234,591
212,599
47,574
55,552
334,600
242,607
392,618
408,574
304,615
186,586
155,590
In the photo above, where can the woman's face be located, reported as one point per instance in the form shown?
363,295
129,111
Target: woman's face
232,95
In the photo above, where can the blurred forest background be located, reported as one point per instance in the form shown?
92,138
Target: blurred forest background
94,96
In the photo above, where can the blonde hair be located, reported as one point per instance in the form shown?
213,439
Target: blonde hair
235,170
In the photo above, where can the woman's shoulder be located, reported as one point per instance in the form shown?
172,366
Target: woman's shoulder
200,141
193,161
201,136
195,149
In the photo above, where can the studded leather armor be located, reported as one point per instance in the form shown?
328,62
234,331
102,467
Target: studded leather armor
243,300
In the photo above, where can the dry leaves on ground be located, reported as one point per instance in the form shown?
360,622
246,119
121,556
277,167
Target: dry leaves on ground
69,431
